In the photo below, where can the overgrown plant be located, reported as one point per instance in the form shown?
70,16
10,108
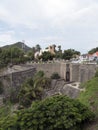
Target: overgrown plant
33,88
1,88
55,113
55,76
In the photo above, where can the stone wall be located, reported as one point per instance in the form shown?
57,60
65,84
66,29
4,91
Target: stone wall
78,72
12,82
86,72
49,68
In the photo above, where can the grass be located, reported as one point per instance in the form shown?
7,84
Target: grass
90,98
5,110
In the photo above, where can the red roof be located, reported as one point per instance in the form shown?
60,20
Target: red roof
95,54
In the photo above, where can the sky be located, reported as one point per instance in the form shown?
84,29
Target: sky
69,23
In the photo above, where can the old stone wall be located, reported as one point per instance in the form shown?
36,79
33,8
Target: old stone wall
77,72
49,68
74,72
12,82
86,72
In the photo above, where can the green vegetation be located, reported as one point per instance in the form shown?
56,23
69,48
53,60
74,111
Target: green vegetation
37,47
19,45
32,89
90,96
55,76
20,53
96,74
30,55
70,53
1,88
47,56
11,56
93,50
55,113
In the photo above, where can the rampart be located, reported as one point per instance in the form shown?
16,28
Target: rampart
68,71
13,80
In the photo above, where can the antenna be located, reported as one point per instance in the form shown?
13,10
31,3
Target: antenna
23,44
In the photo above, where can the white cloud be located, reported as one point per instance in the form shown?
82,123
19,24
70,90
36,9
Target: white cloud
6,38
60,21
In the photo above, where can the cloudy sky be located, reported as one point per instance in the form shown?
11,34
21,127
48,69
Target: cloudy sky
69,23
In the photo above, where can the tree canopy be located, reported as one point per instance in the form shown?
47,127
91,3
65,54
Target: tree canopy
47,56
12,55
33,88
70,53
93,50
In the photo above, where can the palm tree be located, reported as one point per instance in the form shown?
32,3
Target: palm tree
38,47
59,48
32,89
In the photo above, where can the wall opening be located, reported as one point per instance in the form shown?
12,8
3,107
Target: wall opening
67,76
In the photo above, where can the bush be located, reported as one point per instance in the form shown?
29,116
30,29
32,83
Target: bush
55,113
33,89
55,76
1,88
96,74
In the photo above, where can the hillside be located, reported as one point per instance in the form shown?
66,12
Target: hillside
90,98
20,45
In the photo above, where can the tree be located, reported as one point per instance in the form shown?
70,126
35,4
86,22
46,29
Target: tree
13,55
93,50
33,49
32,89
70,53
67,55
1,88
0,50
30,54
59,48
47,56
59,53
38,47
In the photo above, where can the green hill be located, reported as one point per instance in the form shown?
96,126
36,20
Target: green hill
90,98
20,45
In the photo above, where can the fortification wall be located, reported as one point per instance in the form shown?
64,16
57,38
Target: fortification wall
12,82
78,72
74,72
86,72
49,68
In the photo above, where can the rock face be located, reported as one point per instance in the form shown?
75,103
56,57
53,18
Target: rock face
70,90
61,87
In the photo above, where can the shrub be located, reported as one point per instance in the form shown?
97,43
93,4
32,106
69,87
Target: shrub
55,76
55,113
33,89
1,88
96,74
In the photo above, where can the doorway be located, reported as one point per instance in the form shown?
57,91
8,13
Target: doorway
67,76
